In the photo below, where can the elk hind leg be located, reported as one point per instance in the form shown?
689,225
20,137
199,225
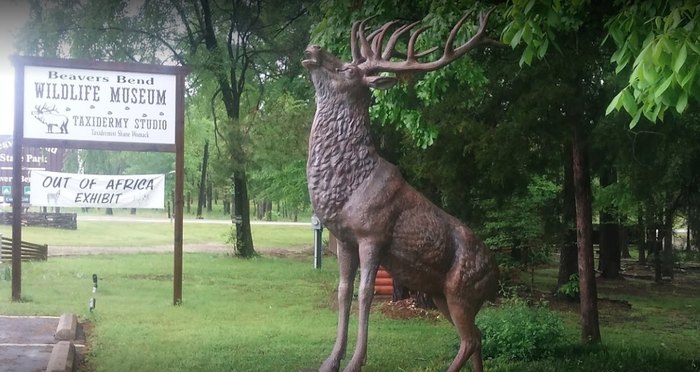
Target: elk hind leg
441,304
463,318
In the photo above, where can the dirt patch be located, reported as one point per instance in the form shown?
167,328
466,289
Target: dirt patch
407,309
295,253
610,311
159,278
85,332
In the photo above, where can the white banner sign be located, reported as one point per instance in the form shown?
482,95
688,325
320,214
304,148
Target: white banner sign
54,189
98,105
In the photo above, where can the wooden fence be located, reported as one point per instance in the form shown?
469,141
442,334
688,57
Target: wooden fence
30,251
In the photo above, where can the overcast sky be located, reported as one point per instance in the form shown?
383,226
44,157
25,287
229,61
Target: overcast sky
13,14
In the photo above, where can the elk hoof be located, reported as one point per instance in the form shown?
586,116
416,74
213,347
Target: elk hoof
330,366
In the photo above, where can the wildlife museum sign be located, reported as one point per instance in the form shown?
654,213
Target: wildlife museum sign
96,105
86,104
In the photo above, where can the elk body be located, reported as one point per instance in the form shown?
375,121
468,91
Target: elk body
376,216
51,118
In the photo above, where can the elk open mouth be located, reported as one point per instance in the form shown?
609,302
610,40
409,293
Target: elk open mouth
310,59
310,62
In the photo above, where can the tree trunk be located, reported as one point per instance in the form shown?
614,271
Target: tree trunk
609,263
656,245
203,180
687,231
667,260
642,240
624,241
232,87
210,196
610,255
590,329
241,209
568,259
227,207
568,255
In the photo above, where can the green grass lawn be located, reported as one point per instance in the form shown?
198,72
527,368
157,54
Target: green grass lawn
278,314
264,314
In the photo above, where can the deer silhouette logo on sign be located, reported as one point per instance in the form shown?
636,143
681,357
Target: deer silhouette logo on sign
50,117
376,216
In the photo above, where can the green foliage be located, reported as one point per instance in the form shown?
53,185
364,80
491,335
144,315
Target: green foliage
536,24
522,219
658,38
686,256
661,39
571,288
279,136
516,331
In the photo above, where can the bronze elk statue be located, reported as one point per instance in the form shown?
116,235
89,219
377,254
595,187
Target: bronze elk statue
376,216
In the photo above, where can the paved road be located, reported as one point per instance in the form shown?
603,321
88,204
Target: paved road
186,220
26,343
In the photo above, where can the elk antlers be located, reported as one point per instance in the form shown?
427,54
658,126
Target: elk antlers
45,109
369,56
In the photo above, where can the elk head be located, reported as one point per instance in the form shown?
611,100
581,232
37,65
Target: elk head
370,57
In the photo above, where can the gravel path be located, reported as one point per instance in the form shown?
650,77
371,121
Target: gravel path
57,250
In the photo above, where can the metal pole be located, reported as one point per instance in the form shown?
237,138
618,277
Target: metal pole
318,242
318,248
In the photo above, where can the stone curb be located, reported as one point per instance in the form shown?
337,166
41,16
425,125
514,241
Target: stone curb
67,328
63,354
62,357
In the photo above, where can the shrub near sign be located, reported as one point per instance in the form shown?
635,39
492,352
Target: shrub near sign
97,105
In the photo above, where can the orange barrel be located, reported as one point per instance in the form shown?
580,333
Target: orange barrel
383,284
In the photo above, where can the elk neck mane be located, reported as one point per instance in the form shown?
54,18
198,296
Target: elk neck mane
341,153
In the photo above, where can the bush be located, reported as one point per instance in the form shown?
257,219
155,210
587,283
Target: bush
570,289
516,331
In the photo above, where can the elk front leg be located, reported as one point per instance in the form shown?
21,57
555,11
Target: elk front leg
347,264
369,263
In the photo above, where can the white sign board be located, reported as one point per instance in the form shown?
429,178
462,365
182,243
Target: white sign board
55,189
99,105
